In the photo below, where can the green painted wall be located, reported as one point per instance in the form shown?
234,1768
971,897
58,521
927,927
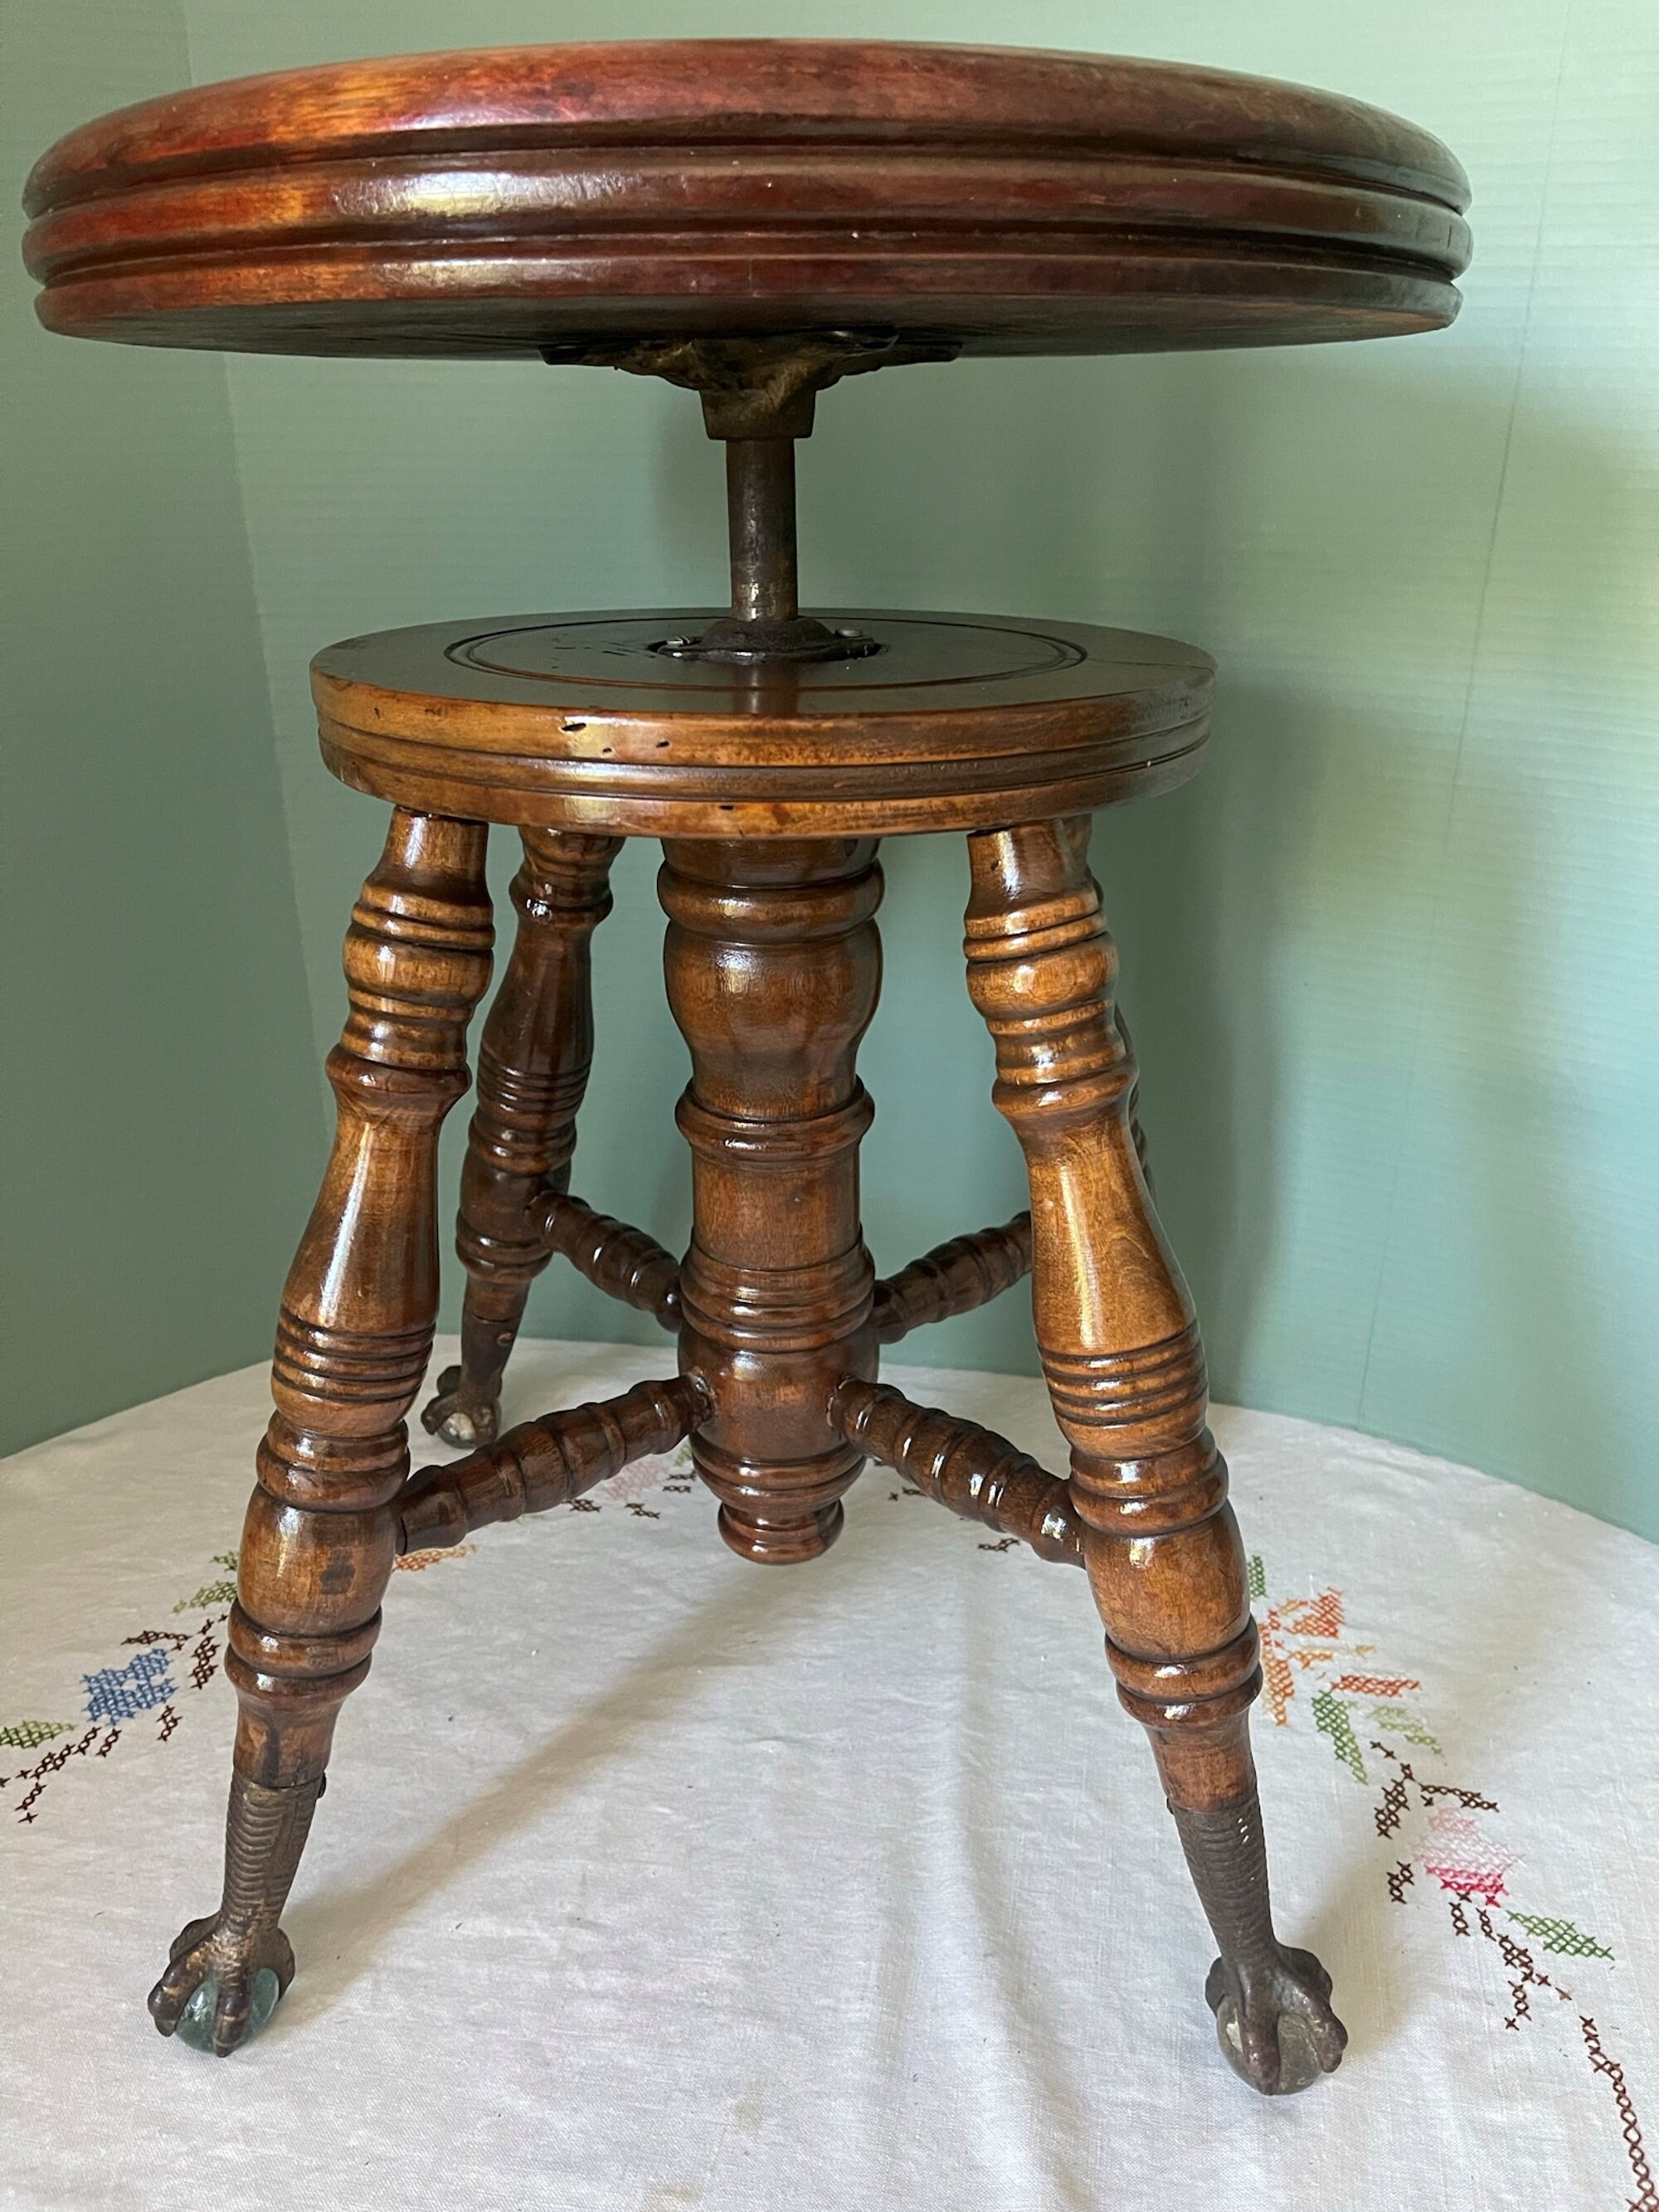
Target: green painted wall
161,1122
1391,961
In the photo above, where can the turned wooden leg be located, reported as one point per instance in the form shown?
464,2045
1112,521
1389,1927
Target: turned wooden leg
352,1344
533,1059
1125,1369
772,965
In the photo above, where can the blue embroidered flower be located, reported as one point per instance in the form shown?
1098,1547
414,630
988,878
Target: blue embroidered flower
121,1693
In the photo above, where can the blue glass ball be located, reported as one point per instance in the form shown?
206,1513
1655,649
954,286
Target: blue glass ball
196,2022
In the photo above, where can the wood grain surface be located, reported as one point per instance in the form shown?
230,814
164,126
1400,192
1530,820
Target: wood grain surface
576,722
498,201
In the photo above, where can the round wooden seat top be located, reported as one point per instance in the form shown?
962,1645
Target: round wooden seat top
582,722
514,200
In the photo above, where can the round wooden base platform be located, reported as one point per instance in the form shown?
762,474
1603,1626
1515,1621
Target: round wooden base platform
580,722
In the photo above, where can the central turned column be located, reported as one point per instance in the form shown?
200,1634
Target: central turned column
773,967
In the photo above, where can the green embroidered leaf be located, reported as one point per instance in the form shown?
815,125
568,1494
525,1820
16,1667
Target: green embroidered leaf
1403,1724
1561,1935
1330,1715
1258,1575
209,1594
28,1735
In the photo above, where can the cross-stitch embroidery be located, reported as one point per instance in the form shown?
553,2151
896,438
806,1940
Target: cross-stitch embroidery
115,1699
1470,1867
1305,1666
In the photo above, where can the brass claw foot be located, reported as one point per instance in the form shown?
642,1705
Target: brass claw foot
459,1416
1275,2021
222,1983
226,1974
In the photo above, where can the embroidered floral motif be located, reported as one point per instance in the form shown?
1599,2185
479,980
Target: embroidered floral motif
1470,1866
1297,1634
1464,1861
1560,1936
118,1696
121,1693
29,1735
1402,1723
1331,1719
1305,1668
218,1593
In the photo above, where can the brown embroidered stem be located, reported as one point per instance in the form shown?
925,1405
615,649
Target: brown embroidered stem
1646,2198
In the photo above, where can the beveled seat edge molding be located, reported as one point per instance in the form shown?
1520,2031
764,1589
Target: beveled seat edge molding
685,92
994,202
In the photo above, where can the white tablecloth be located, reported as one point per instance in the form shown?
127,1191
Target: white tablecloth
649,1880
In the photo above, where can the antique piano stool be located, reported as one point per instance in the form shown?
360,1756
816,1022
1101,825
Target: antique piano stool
752,220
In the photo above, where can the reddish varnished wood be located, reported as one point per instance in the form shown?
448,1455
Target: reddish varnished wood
353,1340
1125,1369
755,220
616,1258
544,1464
773,964
954,1278
959,722
971,1469
1115,1327
502,200
533,1059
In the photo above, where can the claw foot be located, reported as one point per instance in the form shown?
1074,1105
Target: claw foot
1275,2021
226,1974
222,1983
460,1417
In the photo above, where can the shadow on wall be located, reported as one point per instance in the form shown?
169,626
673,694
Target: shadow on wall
1336,942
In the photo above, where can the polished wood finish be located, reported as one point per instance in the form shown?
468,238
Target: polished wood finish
533,1059
954,1278
772,965
577,722
971,1469
752,220
517,198
353,1340
1125,1370
544,1464
617,1259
